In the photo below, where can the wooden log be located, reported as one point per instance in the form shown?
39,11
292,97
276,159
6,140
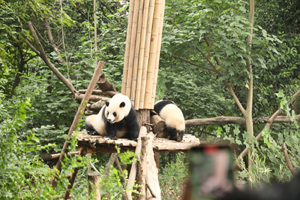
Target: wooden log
142,168
133,170
99,92
104,84
92,98
127,48
90,112
220,120
49,156
158,53
153,188
152,55
158,126
93,182
136,53
146,53
97,106
141,54
132,47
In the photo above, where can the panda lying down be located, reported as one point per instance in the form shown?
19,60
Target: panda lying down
116,119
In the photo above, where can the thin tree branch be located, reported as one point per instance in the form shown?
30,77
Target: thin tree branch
189,62
287,159
55,48
32,47
48,63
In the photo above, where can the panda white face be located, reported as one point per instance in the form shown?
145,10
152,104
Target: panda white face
117,108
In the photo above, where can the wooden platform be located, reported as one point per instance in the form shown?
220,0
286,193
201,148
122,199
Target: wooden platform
100,144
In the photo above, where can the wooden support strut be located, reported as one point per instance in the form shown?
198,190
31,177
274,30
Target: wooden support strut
78,116
93,182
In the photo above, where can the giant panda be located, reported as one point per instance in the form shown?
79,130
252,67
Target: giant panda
174,119
117,118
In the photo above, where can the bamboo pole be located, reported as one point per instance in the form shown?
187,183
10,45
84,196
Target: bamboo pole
141,55
136,52
128,41
158,53
132,47
152,55
146,52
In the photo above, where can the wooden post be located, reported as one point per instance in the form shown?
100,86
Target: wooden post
153,188
143,115
142,169
133,171
93,182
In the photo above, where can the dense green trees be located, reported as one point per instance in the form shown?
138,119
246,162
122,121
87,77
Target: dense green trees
204,68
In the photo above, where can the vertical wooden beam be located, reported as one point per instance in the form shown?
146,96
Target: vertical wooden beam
133,171
142,169
93,182
153,188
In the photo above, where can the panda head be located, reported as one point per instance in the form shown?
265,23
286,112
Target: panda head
117,108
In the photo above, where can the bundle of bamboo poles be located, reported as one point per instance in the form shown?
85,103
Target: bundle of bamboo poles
143,42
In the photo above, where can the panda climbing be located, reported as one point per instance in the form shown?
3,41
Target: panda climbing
116,119
174,119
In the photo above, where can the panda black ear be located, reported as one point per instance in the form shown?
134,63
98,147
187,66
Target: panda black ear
122,104
107,103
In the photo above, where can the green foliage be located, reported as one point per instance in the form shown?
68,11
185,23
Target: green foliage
23,175
172,178
112,186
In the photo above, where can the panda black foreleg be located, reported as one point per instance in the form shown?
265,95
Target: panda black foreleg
132,125
111,130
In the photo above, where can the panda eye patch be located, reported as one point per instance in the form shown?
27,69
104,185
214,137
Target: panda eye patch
115,114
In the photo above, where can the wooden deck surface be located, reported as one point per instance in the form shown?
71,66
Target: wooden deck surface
100,144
